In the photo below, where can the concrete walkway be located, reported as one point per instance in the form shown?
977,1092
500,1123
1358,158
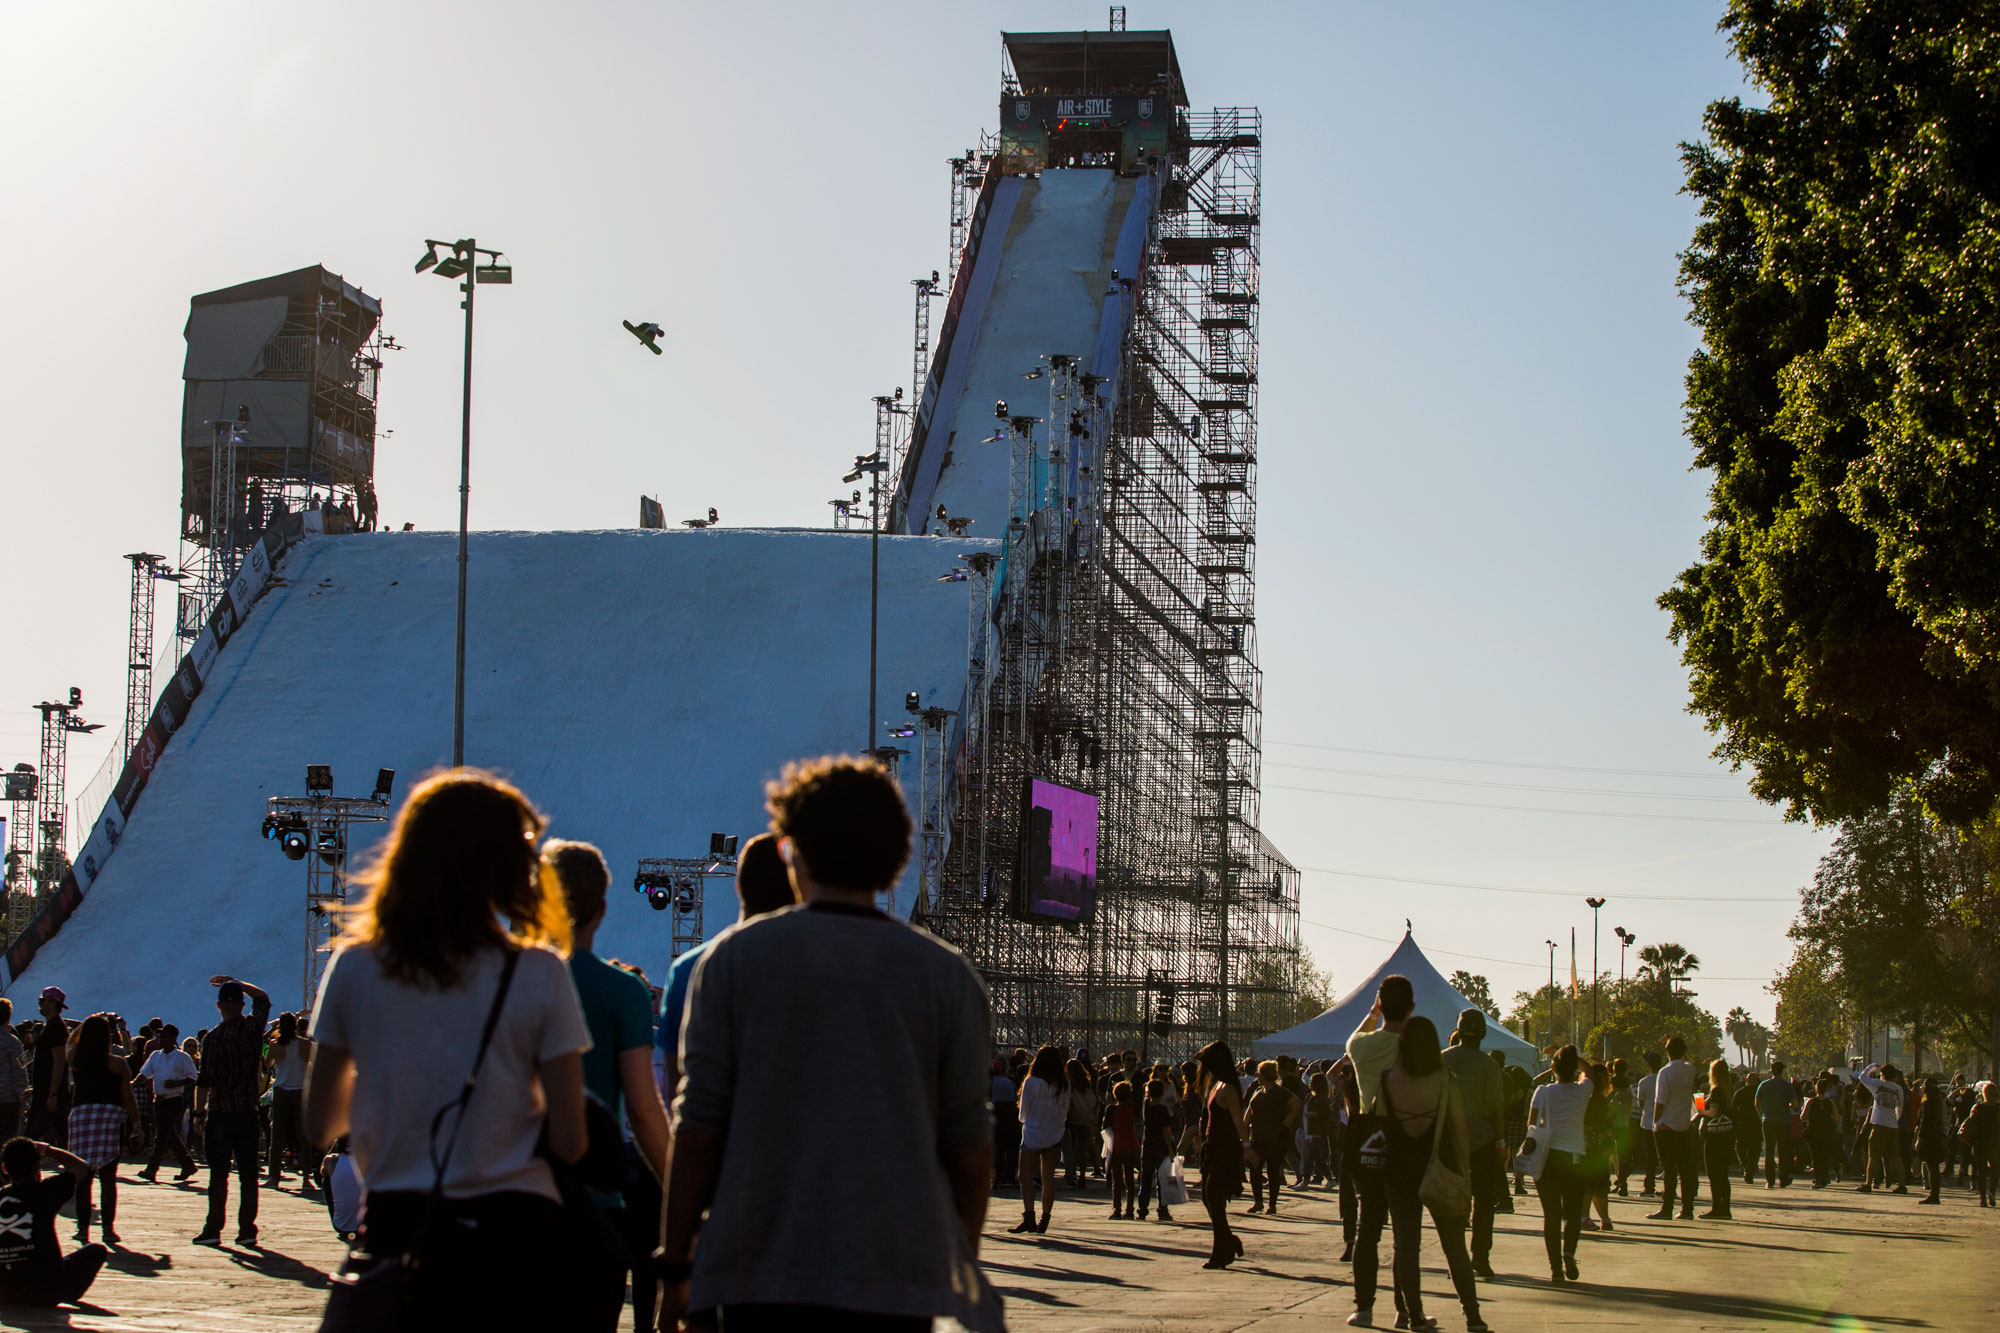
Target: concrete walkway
1792,1258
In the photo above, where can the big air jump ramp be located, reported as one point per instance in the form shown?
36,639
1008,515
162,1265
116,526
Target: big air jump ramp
640,686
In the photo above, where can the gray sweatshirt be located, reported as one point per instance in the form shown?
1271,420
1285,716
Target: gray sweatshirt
13,1068
838,1052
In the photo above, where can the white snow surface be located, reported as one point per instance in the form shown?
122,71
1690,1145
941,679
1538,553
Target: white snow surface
639,686
1047,297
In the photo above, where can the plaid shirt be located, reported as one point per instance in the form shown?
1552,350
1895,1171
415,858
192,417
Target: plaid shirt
232,1060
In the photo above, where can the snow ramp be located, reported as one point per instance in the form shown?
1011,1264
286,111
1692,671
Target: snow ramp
1036,278
640,686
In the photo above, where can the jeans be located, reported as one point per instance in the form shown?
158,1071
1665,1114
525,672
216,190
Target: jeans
1487,1182
1368,1236
230,1137
1006,1145
287,1131
1640,1158
1406,1216
1716,1148
1565,1196
1778,1151
1270,1168
1149,1179
167,1135
1679,1167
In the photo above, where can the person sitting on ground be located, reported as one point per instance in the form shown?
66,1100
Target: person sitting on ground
33,1269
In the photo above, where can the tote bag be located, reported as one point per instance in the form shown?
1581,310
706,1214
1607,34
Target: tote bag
1444,1190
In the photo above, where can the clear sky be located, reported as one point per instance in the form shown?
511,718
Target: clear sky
1474,479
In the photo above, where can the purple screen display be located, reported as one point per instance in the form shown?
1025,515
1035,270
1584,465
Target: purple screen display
1062,851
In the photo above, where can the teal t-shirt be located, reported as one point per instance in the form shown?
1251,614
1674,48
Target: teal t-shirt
619,1010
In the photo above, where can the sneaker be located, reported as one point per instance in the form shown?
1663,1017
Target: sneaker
1569,1267
1900,1189
1663,1215
209,1238
1166,1216
1483,1269
108,1236
147,1175
246,1240
1864,1189
1362,1319
183,1178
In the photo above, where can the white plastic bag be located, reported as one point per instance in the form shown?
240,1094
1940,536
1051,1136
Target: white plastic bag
1173,1183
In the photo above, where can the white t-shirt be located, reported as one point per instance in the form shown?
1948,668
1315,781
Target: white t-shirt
1888,1105
1674,1095
164,1067
1646,1086
412,1049
1561,1106
1044,1112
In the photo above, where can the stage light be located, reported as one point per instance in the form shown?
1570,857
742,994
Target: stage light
327,843
1000,410
659,899
903,732
294,844
429,260
75,697
912,702
722,844
385,780
319,779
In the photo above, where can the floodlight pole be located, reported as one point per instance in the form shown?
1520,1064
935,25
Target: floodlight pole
471,284
1603,1039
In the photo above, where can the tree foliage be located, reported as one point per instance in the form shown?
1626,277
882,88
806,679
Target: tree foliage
1902,918
1842,627
1476,989
1813,1030
1278,991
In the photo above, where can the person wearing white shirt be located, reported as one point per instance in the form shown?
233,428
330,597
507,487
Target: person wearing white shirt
1885,1119
1557,1110
1647,1150
172,1073
1372,1050
1673,1112
1044,1112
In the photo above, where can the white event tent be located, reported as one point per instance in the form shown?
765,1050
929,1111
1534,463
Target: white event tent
1325,1037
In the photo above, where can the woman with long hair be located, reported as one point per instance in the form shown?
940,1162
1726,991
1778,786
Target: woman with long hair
1933,1143
1044,1112
101,1108
1083,1144
1422,1101
1346,1106
1719,1136
1225,1133
290,1053
460,936
1599,1143
1558,1109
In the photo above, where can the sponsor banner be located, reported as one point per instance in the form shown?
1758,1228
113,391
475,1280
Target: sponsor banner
202,656
97,847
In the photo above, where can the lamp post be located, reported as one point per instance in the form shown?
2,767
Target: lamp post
1552,991
1594,903
463,262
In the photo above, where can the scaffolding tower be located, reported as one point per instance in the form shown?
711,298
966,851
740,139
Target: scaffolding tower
60,721
147,571
1117,653
21,799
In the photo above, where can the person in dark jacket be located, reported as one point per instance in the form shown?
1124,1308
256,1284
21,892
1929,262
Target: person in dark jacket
1933,1130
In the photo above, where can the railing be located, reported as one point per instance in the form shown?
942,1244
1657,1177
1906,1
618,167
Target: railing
303,354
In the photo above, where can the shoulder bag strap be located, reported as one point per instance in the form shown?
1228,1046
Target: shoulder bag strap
507,966
1444,1104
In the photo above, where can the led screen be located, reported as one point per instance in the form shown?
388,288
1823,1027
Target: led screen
1059,861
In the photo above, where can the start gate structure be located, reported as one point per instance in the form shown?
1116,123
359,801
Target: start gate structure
1114,649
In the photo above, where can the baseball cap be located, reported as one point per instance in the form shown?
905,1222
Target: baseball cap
1472,1022
229,990
56,993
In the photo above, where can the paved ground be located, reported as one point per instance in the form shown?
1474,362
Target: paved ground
1791,1258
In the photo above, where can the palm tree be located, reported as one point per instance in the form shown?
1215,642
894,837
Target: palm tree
1738,1025
1665,964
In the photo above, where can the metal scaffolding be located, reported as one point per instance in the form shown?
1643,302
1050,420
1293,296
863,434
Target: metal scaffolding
1118,655
147,570
22,796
